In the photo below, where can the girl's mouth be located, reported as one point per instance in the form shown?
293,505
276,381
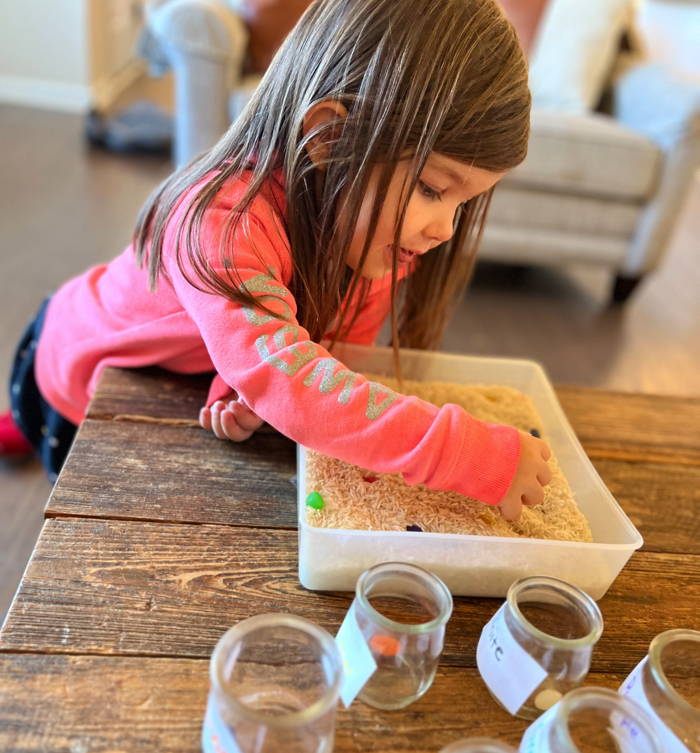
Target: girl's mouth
406,256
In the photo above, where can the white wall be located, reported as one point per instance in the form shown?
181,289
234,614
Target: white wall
44,53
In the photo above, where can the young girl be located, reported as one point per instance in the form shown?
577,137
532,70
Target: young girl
355,184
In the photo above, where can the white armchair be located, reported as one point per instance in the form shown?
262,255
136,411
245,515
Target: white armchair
652,100
600,189
603,189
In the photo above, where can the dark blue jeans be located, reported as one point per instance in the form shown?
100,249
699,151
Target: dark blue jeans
47,430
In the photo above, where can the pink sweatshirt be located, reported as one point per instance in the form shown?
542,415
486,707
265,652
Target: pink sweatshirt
107,317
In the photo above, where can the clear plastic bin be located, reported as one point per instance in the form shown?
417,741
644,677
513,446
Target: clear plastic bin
333,559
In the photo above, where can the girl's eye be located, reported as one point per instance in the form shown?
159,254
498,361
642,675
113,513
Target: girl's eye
428,192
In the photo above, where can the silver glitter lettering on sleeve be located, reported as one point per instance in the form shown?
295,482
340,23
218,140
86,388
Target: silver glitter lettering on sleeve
259,319
374,410
300,359
260,284
330,381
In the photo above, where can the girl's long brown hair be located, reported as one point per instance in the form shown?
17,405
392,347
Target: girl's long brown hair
416,76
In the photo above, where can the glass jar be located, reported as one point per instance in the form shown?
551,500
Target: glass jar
538,646
401,611
275,682
478,745
592,720
667,684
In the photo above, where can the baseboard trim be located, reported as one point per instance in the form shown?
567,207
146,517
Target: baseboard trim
44,94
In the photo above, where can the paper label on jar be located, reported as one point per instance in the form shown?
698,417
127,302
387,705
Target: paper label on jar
509,671
216,736
358,661
624,732
628,736
633,688
535,738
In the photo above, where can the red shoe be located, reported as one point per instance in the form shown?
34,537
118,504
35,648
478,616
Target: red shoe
13,443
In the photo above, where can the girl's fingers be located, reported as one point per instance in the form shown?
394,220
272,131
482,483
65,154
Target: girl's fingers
234,421
233,430
245,417
534,496
544,476
510,509
216,426
545,451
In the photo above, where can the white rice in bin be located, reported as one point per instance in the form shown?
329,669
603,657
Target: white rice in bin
390,504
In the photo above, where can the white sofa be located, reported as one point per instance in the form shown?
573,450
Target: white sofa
603,189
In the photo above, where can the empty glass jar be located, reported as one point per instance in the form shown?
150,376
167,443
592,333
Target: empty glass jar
538,646
401,611
592,720
275,682
667,684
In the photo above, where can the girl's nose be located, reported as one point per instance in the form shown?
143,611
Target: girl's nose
442,227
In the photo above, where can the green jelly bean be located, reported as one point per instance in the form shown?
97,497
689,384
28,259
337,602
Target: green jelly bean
315,500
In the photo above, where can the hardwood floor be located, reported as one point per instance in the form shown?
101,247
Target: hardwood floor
64,207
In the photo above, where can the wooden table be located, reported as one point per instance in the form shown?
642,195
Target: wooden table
159,537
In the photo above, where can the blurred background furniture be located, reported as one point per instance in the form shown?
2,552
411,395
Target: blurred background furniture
614,146
218,51
615,125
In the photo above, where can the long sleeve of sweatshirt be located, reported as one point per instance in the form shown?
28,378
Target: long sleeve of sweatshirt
299,388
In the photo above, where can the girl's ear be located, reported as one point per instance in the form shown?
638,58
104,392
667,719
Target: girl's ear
322,114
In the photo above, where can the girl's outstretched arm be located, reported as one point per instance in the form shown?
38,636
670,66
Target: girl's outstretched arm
299,388
230,418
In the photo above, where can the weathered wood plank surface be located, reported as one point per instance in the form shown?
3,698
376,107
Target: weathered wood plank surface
171,590
110,704
662,501
126,471
633,427
151,393
152,396
158,472
145,602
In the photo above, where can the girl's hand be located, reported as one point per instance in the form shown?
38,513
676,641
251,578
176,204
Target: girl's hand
230,418
531,477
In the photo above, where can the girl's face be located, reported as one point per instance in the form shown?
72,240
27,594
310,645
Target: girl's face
444,184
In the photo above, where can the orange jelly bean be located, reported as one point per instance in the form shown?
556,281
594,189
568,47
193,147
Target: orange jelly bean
386,645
